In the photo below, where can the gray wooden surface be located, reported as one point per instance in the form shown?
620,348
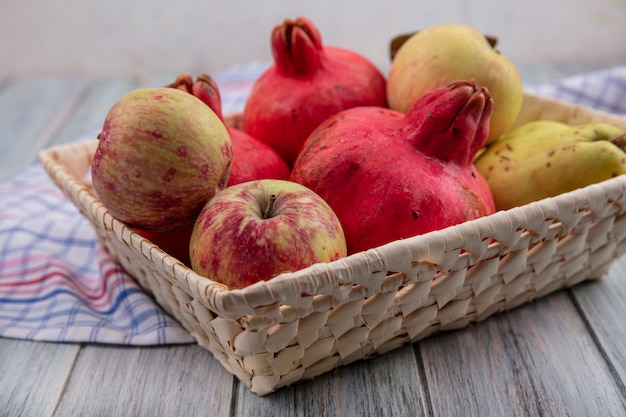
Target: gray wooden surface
563,355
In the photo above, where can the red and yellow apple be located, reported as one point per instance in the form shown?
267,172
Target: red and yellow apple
259,229
162,154
439,55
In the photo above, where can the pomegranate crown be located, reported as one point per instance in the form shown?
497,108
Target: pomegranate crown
297,47
451,123
204,88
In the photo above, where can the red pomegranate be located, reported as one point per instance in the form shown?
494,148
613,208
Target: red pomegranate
307,83
389,176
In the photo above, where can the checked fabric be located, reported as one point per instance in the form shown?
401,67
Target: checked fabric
58,284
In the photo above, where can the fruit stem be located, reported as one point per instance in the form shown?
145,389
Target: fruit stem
269,210
619,141
399,40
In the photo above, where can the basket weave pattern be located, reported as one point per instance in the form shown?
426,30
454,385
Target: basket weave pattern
302,324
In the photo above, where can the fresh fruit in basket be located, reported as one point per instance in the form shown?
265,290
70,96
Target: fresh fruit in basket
252,159
307,83
545,158
258,229
439,55
174,243
255,160
161,155
389,176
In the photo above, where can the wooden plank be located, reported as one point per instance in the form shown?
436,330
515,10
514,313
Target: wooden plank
538,359
147,381
603,307
31,111
389,385
87,117
33,376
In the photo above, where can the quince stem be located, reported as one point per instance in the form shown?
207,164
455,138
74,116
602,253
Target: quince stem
619,141
399,40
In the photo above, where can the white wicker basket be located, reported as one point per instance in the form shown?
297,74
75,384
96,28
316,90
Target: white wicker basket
302,324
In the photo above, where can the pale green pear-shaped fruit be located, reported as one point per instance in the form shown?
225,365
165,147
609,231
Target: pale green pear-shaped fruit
535,133
439,55
545,158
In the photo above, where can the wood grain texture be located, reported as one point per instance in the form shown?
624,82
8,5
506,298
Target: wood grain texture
536,360
31,112
95,102
389,385
604,308
33,376
143,381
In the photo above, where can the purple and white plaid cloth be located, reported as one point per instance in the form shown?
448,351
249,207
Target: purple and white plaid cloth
603,90
58,284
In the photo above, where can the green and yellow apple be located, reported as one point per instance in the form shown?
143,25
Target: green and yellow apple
438,55
259,229
161,155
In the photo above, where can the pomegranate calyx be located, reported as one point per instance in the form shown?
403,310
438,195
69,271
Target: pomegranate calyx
183,82
451,123
297,47
204,88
